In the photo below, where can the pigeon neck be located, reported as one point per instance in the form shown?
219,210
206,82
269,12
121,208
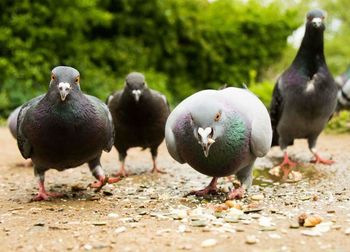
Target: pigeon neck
311,54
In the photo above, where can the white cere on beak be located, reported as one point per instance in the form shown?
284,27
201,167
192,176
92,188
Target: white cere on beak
316,21
205,140
204,133
137,94
64,89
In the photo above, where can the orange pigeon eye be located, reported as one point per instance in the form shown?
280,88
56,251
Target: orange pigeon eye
77,79
217,117
53,77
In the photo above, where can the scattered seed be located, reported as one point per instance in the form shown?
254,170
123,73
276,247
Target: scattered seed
312,221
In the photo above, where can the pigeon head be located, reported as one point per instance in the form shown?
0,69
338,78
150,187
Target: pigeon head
66,80
315,19
207,122
135,84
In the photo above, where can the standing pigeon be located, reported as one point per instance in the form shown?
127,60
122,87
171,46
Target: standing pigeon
220,133
139,116
64,129
304,97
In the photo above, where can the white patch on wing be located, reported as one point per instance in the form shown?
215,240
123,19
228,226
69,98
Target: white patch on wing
310,86
110,98
164,99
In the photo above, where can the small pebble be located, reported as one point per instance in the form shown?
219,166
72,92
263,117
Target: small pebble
240,229
39,224
120,230
347,231
199,223
311,232
294,225
257,197
255,216
88,247
336,227
231,219
251,239
209,243
99,223
113,215
271,228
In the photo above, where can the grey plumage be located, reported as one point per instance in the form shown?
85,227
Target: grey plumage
343,97
64,128
220,133
139,115
12,121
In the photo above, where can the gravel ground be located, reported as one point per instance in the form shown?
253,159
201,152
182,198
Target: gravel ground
147,212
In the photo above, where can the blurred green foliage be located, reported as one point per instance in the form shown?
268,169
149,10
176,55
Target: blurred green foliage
339,123
181,45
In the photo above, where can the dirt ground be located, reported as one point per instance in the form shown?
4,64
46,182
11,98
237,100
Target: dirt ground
147,212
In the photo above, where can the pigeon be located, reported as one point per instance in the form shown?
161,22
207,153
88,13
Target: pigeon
304,97
220,133
343,97
139,115
64,129
343,78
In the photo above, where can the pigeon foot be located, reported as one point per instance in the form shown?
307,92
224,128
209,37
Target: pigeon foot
287,166
43,195
236,193
104,180
319,160
210,189
156,170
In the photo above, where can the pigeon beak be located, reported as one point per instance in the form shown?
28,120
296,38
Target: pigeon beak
64,89
206,146
316,22
137,93
206,139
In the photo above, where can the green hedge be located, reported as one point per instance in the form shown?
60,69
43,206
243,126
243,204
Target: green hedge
181,45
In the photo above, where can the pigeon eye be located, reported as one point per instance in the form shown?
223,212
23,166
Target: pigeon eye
217,117
53,77
77,79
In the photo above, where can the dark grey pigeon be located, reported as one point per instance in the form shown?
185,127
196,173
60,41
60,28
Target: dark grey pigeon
220,133
139,115
304,97
64,129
